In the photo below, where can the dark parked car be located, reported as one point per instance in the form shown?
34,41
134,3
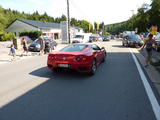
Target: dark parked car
157,39
112,37
157,47
95,38
35,45
132,40
92,38
106,38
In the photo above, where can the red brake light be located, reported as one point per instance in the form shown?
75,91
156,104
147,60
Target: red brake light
80,58
51,57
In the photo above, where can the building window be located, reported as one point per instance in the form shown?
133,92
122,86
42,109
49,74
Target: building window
56,36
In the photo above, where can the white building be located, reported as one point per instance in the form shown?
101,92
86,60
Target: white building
49,29
20,25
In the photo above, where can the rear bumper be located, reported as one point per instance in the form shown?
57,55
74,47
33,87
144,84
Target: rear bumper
135,44
78,66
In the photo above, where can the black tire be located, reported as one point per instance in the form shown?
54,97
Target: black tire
94,67
55,70
126,45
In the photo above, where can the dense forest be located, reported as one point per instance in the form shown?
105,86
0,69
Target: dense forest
7,16
147,16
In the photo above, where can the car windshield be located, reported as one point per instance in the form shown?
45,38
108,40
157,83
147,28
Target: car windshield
79,36
157,36
131,37
36,41
76,47
47,39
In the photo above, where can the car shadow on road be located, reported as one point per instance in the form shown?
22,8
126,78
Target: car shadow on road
59,75
51,99
118,46
121,46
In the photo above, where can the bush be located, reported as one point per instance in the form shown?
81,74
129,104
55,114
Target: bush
7,36
31,34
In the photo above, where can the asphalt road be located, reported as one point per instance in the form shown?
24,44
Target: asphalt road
29,91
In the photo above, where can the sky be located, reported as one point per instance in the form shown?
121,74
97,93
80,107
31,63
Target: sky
107,11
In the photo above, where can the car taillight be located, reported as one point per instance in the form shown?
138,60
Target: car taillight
80,58
51,57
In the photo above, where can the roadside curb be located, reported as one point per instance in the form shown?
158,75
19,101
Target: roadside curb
152,73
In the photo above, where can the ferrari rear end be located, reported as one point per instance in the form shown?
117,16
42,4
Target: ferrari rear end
80,63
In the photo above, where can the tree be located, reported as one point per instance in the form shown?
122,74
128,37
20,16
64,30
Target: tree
155,13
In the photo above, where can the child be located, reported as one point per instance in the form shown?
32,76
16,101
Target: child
12,51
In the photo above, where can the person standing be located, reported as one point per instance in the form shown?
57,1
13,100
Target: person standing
149,48
42,44
24,44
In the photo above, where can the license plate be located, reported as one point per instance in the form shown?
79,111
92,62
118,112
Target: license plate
63,65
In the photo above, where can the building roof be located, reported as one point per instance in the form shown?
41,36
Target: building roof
41,24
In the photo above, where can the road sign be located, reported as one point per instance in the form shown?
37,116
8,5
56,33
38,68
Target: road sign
154,30
64,28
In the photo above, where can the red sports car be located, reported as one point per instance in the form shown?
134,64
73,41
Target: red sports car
80,57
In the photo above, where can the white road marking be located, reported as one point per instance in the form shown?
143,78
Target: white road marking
151,96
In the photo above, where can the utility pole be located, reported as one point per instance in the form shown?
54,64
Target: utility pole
69,39
132,12
132,20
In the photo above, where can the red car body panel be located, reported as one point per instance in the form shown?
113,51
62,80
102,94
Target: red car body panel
80,61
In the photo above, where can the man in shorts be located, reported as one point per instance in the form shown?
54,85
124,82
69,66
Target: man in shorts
149,48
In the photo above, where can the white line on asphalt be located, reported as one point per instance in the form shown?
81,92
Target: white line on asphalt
151,96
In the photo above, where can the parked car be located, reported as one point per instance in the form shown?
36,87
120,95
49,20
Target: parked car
78,39
92,38
112,37
106,38
99,38
157,47
82,57
132,40
35,45
157,39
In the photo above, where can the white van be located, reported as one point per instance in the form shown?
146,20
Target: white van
81,38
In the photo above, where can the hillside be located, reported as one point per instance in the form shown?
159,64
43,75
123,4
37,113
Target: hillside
147,16
7,16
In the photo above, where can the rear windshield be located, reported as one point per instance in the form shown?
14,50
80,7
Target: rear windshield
36,41
79,36
134,37
76,47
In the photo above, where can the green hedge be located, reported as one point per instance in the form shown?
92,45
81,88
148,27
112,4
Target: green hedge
7,36
31,34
